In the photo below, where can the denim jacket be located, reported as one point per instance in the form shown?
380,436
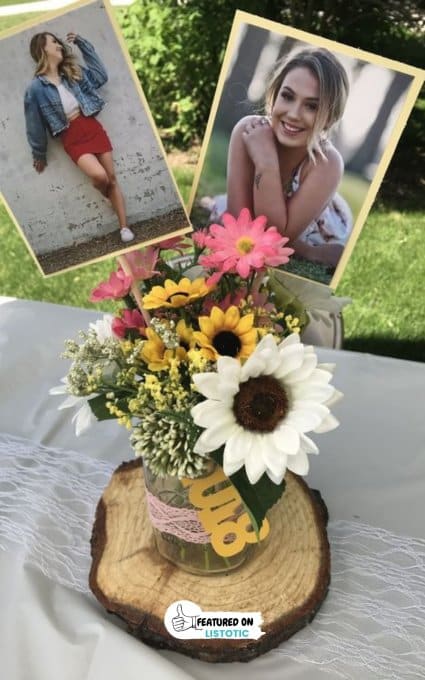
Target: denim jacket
43,107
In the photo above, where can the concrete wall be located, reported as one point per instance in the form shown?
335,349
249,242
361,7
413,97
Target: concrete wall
60,207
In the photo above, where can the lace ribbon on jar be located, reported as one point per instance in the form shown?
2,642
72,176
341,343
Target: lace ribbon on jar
180,522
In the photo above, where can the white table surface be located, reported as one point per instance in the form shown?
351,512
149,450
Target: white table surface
370,470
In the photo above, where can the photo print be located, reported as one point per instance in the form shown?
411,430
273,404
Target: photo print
302,130
83,172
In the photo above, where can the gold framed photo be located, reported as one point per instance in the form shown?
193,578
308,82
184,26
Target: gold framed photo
302,130
83,174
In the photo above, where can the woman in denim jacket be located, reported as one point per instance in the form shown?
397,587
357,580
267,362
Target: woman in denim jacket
62,99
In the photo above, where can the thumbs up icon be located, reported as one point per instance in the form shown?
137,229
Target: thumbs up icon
181,621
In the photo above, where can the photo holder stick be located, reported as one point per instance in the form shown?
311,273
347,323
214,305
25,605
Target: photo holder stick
122,260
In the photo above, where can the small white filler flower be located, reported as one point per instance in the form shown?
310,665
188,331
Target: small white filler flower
261,410
103,328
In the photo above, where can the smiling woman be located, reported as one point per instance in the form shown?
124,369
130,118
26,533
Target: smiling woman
283,165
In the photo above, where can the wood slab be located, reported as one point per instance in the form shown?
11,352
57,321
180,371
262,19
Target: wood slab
286,579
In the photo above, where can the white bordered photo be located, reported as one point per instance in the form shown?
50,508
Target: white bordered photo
83,172
302,130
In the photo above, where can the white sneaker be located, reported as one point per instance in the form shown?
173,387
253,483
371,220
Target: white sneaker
126,235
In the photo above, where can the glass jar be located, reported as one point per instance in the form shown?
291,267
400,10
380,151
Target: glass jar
179,534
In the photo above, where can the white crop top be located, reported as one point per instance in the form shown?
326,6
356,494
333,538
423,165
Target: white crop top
69,102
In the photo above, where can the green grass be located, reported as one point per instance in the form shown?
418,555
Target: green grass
354,189
15,20
213,178
4,3
384,277
184,179
20,277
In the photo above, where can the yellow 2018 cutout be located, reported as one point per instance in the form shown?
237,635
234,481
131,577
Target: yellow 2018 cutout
217,510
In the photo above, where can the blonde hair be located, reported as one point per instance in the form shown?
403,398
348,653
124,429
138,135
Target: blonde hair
333,90
69,66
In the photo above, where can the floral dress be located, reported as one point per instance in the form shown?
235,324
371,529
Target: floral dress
334,223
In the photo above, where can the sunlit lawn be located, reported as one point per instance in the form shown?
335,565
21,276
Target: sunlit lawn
384,276
10,22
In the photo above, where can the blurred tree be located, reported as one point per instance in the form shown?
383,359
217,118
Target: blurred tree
362,23
367,151
233,102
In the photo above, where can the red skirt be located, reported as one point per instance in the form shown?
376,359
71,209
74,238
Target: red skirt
85,135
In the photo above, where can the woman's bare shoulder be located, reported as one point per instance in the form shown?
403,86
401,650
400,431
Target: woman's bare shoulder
333,157
246,120
331,163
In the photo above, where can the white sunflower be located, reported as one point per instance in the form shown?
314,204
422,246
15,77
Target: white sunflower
84,417
261,410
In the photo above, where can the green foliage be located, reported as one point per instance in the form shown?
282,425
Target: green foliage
387,27
99,409
258,498
177,56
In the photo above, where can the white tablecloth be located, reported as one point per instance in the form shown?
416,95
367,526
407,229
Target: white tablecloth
370,471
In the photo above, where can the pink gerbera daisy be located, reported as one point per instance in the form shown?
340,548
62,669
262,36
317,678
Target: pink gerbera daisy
243,245
116,287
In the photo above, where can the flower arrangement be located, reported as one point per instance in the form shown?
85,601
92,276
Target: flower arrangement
204,362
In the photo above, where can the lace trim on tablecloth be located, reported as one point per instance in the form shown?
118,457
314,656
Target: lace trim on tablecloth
370,626
48,501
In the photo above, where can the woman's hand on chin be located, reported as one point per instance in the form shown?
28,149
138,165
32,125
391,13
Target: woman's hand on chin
260,143
39,165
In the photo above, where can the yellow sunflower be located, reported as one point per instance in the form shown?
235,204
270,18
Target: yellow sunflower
173,294
185,335
157,356
226,334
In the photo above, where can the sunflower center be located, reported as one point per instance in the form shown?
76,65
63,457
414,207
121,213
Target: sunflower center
261,404
227,344
244,245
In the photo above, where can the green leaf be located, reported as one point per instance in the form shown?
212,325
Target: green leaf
258,498
98,406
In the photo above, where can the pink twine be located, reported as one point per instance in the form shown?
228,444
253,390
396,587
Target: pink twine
180,522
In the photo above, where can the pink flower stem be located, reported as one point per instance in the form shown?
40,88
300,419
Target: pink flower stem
134,288
250,281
